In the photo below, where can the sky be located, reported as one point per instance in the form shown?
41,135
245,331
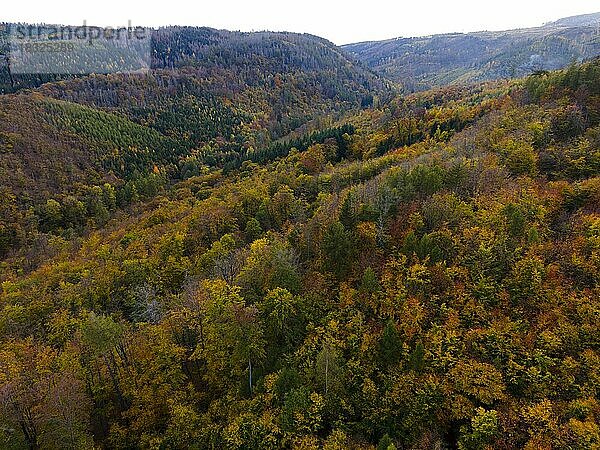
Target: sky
342,22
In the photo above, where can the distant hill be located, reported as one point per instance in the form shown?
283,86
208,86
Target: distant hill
583,20
250,57
424,62
290,78
213,99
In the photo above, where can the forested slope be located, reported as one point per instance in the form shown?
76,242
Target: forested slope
424,277
75,151
421,63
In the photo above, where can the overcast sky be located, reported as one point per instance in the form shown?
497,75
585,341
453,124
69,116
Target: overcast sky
339,21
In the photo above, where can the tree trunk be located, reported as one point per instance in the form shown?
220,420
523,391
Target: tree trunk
250,376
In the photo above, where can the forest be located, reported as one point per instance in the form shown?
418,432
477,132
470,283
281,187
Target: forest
275,249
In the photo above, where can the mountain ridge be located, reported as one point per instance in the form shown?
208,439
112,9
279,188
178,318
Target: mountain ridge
578,20
419,63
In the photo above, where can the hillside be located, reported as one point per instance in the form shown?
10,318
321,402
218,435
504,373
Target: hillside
583,20
248,58
219,94
214,100
424,62
423,273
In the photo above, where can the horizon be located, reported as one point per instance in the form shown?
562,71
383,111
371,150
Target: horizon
414,21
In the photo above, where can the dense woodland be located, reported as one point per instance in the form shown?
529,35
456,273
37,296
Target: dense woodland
269,252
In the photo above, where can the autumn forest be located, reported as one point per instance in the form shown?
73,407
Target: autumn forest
265,243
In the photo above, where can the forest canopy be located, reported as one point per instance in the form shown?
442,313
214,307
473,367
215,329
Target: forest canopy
292,264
